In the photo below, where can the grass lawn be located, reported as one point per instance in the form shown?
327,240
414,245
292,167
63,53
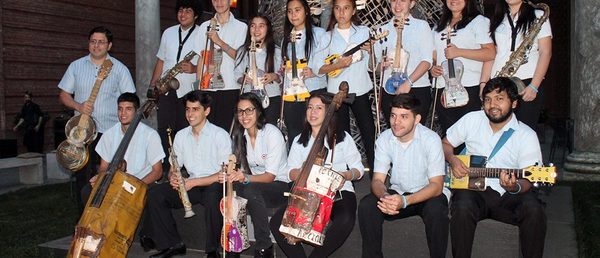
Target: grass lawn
586,205
29,217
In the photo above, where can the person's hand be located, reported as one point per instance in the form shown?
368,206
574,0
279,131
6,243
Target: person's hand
174,180
508,181
15,128
390,204
437,71
36,128
93,180
86,108
294,174
344,62
528,94
269,77
366,47
459,169
188,67
404,88
214,37
237,175
387,62
452,51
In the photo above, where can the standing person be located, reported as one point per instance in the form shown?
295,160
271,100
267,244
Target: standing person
511,20
417,181
227,40
417,41
343,33
76,87
201,147
31,118
506,199
144,154
300,21
471,45
346,161
176,42
268,60
262,152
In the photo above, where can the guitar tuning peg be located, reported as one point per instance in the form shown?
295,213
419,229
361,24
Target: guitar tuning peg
551,164
536,184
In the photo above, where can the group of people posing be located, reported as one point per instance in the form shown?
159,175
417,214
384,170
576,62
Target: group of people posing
409,153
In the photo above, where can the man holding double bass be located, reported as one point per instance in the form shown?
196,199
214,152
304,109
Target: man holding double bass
76,87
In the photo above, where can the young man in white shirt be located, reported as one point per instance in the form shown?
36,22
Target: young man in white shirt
176,42
144,154
417,179
201,147
229,37
506,199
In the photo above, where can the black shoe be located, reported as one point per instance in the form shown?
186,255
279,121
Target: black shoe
147,243
264,253
213,254
169,252
232,255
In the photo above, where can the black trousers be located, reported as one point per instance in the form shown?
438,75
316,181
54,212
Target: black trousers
83,176
434,213
528,112
261,196
422,94
34,141
449,116
523,210
361,108
223,107
273,110
170,113
159,223
343,215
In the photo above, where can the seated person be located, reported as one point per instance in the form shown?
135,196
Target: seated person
506,199
416,178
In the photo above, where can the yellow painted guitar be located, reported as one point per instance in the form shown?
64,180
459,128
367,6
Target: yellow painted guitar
331,59
478,172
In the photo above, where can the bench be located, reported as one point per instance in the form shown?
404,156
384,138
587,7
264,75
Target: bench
31,170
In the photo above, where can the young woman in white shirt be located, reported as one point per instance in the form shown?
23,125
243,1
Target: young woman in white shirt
344,31
511,19
418,42
300,21
471,44
268,60
261,151
346,161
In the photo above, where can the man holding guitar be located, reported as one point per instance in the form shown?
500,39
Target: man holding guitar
495,131
76,87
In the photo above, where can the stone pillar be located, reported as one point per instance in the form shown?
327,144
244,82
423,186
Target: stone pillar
584,162
147,40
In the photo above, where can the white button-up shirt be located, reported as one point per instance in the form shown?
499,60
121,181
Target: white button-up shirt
268,154
346,157
414,164
79,79
143,151
319,81
521,150
203,155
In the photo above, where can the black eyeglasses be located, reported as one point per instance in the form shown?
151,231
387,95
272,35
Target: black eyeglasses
247,111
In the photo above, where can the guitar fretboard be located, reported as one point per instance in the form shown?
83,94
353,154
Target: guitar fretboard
494,172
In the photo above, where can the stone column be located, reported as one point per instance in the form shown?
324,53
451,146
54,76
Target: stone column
147,40
584,162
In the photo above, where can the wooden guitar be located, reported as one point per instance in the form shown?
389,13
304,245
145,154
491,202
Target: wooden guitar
475,180
234,236
454,94
211,62
295,90
398,72
331,59
256,75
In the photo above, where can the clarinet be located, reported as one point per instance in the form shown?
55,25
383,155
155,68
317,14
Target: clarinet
187,205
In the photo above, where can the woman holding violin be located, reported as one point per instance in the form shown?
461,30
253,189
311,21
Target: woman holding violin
344,158
261,151
467,29
267,58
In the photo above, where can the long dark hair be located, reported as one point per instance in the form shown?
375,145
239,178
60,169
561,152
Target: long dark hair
238,140
308,27
268,42
526,17
468,14
333,20
332,130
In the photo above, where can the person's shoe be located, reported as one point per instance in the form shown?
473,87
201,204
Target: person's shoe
232,255
147,243
264,253
213,254
171,251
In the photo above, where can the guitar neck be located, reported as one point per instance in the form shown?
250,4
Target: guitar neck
451,72
398,51
85,118
354,49
494,172
294,60
254,68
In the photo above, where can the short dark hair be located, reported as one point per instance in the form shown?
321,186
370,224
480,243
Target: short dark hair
406,101
28,93
129,97
502,84
198,96
194,4
102,29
